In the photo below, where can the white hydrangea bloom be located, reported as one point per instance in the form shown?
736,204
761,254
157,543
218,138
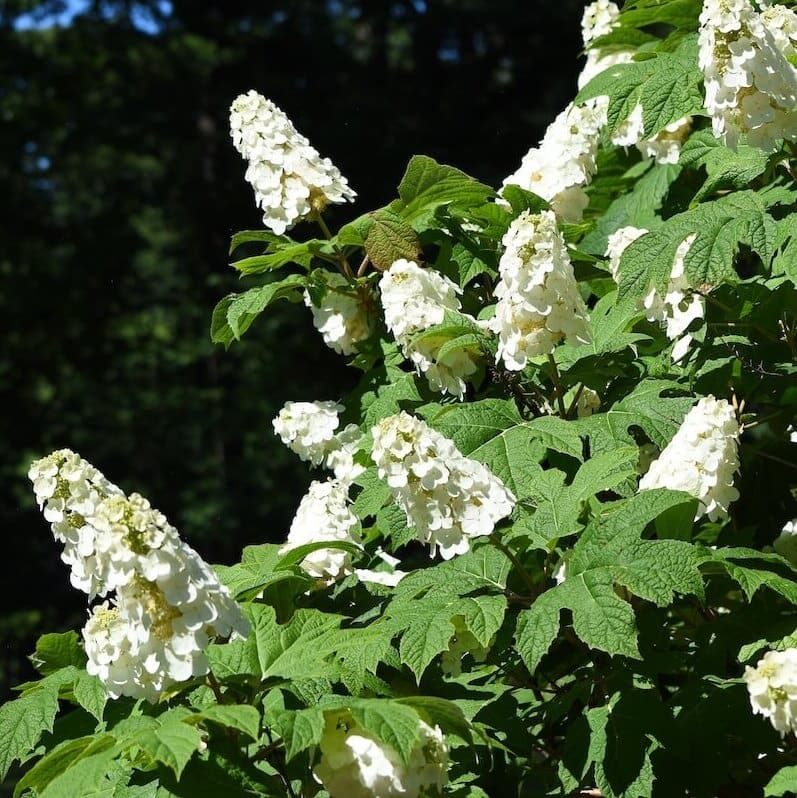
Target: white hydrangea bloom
154,634
665,146
538,300
679,306
385,578
355,765
76,499
792,433
617,243
701,459
415,299
324,514
772,685
340,454
751,88
462,642
169,603
342,318
785,543
781,22
447,497
599,19
289,177
308,428
564,162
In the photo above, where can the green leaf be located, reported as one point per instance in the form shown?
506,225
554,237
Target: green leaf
169,742
668,86
427,634
299,729
440,712
784,782
56,651
375,492
87,776
272,240
611,552
90,693
300,254
293,557
392,723
23,721
245,307
492,432
356,232
59,759
645,407
242,717
725,168
720,226
253,573
427,185
389,239
637,206
470,263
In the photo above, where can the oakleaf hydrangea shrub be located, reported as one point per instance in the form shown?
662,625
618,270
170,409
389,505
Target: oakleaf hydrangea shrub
549,546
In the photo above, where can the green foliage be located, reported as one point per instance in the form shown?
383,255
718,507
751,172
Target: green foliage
593,638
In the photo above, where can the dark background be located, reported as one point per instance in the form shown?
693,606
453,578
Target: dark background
120,189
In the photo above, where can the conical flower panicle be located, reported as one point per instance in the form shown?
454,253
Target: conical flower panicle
324,514
564,162
751,88
701,459
538,300
169,603
447,497
414,299
290,179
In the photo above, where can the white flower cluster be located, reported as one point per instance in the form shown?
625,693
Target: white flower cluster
600,18
342,317
289,177
785,543
324,514
772,685
462,642
781,22
679,306
564,162
415,299
538,300
447,497
701,459
355,765
169,603
751,88
309,430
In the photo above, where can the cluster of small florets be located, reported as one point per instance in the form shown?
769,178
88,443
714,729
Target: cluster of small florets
679,306
701,459
415,299
342,314
564,162
538,300
751,88
168,603
291,180
772,685
324,514
447,497
309,429
355,765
